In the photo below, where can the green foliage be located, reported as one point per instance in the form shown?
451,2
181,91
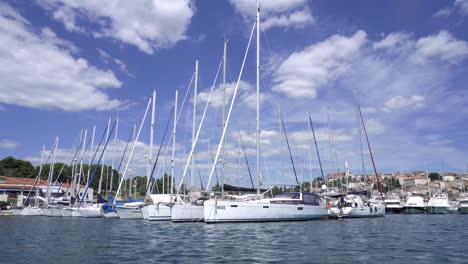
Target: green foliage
434,176
158,187
3,205
12,167
390,184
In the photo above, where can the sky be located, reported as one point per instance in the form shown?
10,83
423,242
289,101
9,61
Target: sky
68,65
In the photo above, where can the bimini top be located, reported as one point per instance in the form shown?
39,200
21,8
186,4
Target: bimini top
305,198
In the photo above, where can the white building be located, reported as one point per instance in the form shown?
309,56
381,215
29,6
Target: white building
448,178
414,181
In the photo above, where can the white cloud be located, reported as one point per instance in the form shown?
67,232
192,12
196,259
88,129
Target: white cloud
444,12
246,94
8,144
461,6
41,71
298,18
400,102
109,59
442,46
304,72
276,13
392,40
148,25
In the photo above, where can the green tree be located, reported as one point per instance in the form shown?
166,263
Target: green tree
434,176
12,167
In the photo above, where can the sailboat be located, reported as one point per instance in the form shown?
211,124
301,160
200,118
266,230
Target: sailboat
192,210
34,210
92,210
351,205
132,210
284,207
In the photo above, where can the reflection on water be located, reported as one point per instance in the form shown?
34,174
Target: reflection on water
392,239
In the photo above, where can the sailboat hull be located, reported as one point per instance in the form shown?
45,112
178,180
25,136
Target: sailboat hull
129,212
463,209
53,212
111,214
159,212
438,210
187,213
66,212
362,212
32,211
91,212
413,210
393,210
144,212
232,211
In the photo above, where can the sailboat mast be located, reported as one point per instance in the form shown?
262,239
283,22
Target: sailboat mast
51,171
379,187
224,117
91,154
103,158
360,137
113,154
310,153
195,90
427,179
316,148
83,149
258,98
133,150
173,147
150,154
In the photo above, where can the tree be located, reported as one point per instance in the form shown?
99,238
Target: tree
434,176
12,167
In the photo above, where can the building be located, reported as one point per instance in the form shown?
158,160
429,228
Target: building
412,181
16,189
448,178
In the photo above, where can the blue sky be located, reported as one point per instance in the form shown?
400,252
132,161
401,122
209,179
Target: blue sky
67,65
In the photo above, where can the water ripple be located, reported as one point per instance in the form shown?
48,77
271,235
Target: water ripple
392,239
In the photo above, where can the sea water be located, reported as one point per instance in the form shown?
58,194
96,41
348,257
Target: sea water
391,239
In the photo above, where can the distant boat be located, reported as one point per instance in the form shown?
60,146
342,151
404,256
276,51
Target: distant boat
463,205
393,205
438,204
352,206
415,205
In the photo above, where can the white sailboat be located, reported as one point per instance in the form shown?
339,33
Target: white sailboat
187,211
32,211
285,207
131,210
161,207
352,206
35,210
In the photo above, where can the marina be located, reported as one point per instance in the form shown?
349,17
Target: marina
247,131
391,239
